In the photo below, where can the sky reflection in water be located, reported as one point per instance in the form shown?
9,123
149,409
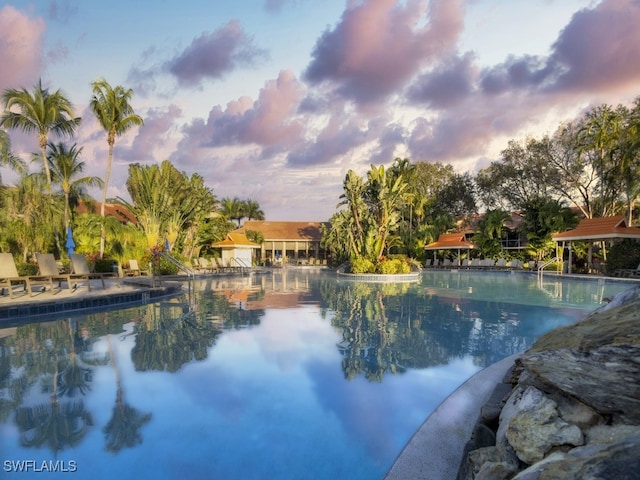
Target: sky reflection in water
290,375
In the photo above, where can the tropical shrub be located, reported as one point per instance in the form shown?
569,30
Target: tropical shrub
362,265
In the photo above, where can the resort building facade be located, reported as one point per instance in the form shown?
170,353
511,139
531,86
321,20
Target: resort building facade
288,243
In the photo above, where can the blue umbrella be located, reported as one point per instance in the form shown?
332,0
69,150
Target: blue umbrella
70,245
167,245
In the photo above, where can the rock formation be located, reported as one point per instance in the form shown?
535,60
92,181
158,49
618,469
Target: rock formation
573,406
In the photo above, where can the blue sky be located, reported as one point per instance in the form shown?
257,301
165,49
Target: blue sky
276,100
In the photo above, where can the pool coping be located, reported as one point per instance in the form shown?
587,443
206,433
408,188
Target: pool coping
436,450
111,297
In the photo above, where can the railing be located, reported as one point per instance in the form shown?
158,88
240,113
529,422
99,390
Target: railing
181,266
547,263
241,264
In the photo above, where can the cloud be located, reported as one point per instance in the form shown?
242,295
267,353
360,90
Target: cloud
152,139
600,48
447,85
269,121
212,55
380,44
21,48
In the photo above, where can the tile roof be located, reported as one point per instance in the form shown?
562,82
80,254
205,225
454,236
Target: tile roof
602,228
303,231
236,239
450,240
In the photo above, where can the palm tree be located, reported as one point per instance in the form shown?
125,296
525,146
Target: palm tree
116,116
42,112
252,210
7,157
232,208
65,166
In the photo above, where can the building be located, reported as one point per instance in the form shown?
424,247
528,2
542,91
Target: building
288,243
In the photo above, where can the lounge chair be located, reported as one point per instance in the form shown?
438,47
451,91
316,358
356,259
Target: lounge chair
134,269
9,275
48,271
80,271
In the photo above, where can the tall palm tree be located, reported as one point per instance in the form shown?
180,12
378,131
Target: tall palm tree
42,112
116,116
65,166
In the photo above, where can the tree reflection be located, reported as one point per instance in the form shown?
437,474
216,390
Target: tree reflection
123,428
56,424
168,338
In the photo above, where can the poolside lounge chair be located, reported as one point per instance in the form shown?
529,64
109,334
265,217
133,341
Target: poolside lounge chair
81,271
134,269
48,271
9,275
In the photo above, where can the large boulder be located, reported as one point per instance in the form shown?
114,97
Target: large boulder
596,361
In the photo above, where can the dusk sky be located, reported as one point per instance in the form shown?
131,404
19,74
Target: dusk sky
275,100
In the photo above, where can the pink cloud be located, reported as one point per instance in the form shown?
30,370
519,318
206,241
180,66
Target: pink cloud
380,44
212,55
271,120
21,48
600,48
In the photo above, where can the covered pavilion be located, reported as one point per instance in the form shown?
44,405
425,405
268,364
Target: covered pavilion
237,250
591,230
451,241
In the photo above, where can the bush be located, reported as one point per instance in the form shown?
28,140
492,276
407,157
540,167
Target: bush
393,266
623,254
362,265
26,269
103,265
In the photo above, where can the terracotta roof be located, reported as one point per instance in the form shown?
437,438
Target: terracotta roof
450,241
110,210
602,228
305,231
236,239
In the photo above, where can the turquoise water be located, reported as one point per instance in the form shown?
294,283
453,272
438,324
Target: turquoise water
287,375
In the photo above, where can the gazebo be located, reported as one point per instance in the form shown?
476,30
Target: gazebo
450,241
237,249
596,229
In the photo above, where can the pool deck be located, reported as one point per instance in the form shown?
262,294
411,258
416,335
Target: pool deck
128,291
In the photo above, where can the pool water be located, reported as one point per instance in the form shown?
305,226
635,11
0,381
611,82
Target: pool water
285,375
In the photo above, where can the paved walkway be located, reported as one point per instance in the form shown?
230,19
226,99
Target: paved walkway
114,294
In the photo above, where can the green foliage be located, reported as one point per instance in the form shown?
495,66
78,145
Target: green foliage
362,265
26,269
623,254
393,266
103,265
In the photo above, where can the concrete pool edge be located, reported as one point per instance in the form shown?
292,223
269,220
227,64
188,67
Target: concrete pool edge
435,451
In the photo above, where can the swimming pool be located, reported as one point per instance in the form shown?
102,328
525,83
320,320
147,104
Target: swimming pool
290,374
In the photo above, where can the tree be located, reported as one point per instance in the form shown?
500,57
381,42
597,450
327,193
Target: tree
521,173
490,232
65,167
7,157
40,112
252,210
165,201
116,116
232,208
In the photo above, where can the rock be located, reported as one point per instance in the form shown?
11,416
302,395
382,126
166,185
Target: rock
578,358
495,463
536,427
619,461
